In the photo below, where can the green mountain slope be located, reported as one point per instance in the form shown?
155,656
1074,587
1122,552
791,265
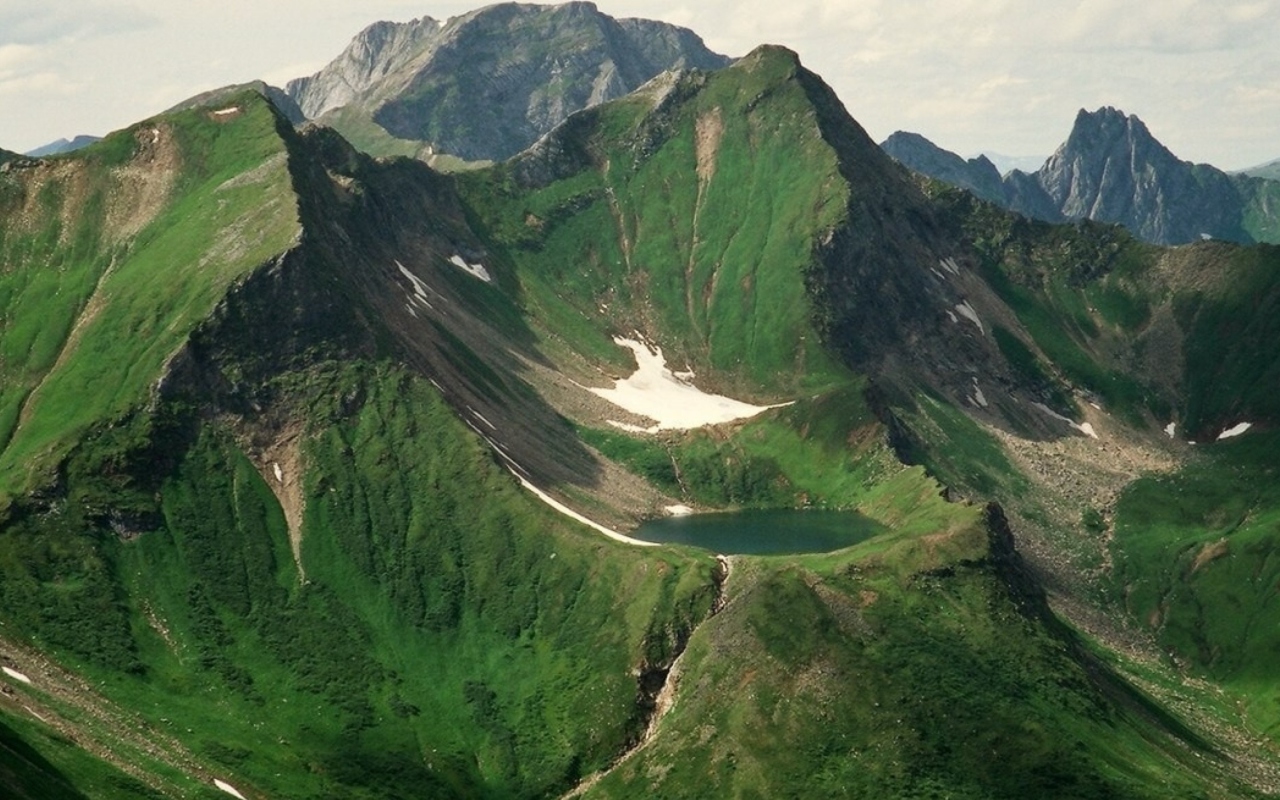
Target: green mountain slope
289,544
88,294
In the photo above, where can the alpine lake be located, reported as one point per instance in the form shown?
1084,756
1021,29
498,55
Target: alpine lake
763,533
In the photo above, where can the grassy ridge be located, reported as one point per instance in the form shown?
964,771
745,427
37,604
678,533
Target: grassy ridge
128,309
902,668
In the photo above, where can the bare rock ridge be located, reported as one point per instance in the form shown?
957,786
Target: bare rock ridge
486,85
1112,169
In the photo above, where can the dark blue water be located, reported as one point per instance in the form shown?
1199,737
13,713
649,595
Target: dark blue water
763,532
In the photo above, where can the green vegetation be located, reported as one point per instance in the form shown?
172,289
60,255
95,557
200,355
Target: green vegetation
898,671
441,605
1232,351
37,763
1193,561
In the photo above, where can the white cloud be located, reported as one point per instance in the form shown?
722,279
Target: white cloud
69,20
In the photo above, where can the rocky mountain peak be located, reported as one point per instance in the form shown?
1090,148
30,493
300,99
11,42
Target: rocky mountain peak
1111,168
487,84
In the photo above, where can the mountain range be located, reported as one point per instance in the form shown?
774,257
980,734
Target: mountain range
321,474
1111,169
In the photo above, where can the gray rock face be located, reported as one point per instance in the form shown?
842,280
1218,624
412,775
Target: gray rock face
1111,169
488,84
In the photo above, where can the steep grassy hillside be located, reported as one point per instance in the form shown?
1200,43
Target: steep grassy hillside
632,217
1178,335
849,656
1193,563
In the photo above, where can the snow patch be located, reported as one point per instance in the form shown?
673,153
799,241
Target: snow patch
654,391
420,287
279,473
17,676
949,264
476,270
1171,429
222,112
978,397
155,135
965,310
953,316
679,510
1235,431
1083,427
480,417
228,788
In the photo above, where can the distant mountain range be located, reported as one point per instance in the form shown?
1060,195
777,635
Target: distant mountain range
63,146
1269,170
485,85
1111,169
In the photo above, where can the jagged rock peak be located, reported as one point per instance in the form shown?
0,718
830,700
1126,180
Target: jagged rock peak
1108,127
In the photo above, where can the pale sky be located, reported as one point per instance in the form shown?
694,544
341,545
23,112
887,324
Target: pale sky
972,75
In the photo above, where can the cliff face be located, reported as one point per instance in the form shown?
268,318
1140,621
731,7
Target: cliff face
486,85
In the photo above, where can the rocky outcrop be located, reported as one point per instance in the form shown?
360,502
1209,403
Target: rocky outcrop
488,84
